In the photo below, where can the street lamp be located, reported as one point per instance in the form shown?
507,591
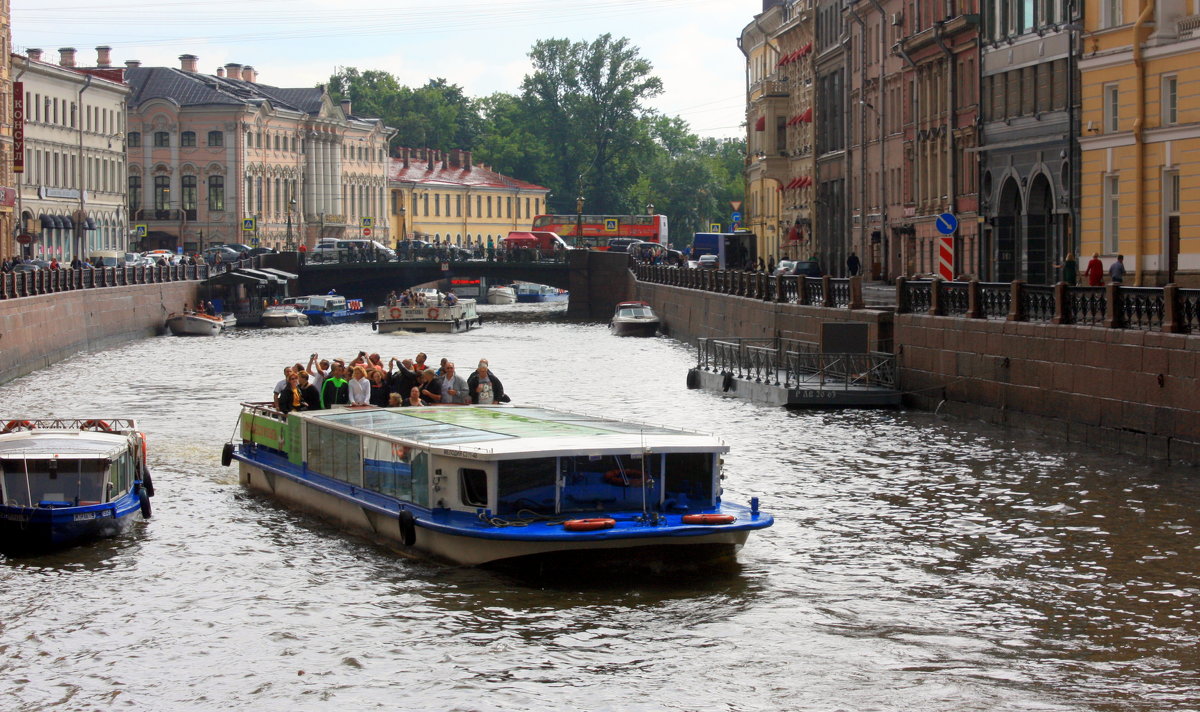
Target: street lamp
579,220
291,207
649,208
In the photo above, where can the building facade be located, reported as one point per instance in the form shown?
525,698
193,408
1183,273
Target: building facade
1140,139
224,158
10,226
768,108
444,197
71,191
831,224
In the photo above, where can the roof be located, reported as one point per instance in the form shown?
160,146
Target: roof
454,176
506,431
62,444
195,89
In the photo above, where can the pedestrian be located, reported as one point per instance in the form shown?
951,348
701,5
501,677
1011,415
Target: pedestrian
303,250
1070,269
853,265
1116,271
453,386
1095,271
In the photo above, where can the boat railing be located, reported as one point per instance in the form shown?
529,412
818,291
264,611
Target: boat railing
264,409
97,424
788,362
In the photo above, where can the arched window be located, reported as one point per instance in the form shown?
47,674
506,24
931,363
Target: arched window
190,196
187,138
135,194
162,197
216,193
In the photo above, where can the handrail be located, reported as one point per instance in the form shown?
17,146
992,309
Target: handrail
15,285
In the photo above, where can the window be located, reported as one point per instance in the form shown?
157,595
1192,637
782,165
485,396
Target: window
472,487
258,197
1111,13
162,194
134,140
1170,101
1112,108
162,139
1112,214
135,193
249,140
216,138
187,138
189,197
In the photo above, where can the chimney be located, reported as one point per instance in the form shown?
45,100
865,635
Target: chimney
346,107
456,158
233,70
34,53
442,155
429,157
66,56
221,72
133,63
104,56
467,160
187,62
248,74
405,153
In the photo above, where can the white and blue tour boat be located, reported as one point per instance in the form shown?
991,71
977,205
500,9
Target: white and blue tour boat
481,485
66,481
323,309
528,292
433,317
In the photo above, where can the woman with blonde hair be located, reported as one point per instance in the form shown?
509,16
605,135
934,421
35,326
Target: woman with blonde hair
360,388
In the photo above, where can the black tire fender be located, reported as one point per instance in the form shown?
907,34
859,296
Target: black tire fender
147,482
727,381
144,502
408,527
227,454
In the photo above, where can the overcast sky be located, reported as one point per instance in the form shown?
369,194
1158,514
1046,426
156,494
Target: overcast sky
481,45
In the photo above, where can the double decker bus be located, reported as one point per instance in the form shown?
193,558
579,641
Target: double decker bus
602,232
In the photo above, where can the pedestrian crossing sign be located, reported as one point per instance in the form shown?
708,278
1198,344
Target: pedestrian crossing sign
140,230
368,222
610,224
248,225
714,227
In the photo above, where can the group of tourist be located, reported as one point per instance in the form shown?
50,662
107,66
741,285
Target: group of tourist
418,298
365,381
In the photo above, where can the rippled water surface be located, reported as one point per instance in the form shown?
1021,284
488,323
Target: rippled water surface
916,563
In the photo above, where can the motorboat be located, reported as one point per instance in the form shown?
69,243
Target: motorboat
281,315
230,319
501,295
191,323
530,292
330,308
634,319
66,481
435,316
502,485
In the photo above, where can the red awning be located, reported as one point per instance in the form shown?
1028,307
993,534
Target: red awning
761,124
804,50
807,115
793,234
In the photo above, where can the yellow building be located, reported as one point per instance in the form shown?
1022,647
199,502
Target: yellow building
1140,139
444,197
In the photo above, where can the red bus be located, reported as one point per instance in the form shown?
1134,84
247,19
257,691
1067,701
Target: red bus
601,230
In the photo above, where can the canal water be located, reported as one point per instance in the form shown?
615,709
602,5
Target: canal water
917,563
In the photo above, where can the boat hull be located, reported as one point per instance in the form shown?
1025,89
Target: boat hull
279,321
192,325
432,326
634,327
327,318
540,298
30,530
501,295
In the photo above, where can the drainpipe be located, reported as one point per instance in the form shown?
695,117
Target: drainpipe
862,130
898,49
81,229
951,109
1138,145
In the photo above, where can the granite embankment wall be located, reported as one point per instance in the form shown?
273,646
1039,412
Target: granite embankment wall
1117,389
38,331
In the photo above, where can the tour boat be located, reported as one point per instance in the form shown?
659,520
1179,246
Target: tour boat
66,481
434,318
501,295
484,485
190,323
330,308
282,315
529,292
634,319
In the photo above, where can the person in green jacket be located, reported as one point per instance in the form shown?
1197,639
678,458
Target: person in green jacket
335,390
1070,269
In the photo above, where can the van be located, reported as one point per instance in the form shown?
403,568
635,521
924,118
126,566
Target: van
108,258
330,249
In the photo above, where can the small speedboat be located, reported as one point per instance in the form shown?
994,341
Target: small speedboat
331,309
501,295
283,315
191,323
66,481
634,319
537,293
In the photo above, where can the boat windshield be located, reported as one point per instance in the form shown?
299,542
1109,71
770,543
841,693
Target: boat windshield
635,313
54,482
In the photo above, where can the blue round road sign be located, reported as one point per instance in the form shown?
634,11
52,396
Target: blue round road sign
947,223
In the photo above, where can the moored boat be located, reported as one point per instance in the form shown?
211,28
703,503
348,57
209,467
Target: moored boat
283,315
501,295
537,293
191,323
331,308
66,481
480,485
634,319
434,318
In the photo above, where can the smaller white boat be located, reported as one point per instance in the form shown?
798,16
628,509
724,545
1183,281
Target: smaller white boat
283,315
230,319
191,323
435,317
634,319
501,295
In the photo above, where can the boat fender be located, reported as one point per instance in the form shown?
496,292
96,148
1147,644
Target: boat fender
632,478
408,527
589,525
227,454
727,381
145,502
374,326
693,379
147,482
17,425
432,313
396,312
708,519
97,425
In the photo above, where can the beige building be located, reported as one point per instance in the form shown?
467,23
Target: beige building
71,193
442,196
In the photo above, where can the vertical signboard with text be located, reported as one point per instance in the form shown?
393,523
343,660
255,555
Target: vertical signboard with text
18,118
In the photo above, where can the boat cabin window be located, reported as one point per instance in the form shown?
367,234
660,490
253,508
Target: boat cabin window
335,453
635,312
472,487
387,468
29,483
688,482
526,485
594,483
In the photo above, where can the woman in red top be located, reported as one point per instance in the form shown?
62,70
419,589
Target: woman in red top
1095,271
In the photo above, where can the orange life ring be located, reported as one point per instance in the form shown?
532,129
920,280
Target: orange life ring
396,312
588,525
97,425
632,478
17,425
708,519
432,313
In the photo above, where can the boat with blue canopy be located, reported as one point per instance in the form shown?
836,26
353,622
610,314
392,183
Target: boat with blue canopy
480,485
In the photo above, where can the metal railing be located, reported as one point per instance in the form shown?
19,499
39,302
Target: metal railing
14,285
789,363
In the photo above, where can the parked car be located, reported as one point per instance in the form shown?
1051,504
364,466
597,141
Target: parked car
261,251
227,255
707,262
808,268
785,267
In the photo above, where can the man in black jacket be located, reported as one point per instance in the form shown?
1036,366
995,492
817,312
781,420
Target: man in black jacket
485,388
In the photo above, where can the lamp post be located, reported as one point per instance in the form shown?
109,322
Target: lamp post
579,220
649,208
291,207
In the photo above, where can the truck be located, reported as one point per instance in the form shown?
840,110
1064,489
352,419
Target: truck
734,250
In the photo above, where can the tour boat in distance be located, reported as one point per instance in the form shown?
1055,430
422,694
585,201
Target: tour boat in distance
500,485
530,292
634,319
328,308
432,317
191,323
66,481
283,315
501,294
